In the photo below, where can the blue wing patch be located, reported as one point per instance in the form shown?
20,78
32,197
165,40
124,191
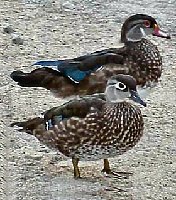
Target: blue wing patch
51,122
77,75
48,62
68,69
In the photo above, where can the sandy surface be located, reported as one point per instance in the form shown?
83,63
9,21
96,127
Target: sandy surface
66,29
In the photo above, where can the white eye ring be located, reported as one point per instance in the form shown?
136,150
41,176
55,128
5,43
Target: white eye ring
120,86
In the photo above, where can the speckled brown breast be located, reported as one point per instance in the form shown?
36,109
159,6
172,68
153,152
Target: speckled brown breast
114,130
144,62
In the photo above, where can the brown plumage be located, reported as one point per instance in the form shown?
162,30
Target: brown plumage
90,128
79,76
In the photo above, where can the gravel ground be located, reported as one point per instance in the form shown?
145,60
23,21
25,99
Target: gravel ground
64,29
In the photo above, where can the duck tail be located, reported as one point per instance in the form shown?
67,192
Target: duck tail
30,125
41,77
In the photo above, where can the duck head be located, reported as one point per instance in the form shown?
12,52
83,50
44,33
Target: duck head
121,87
138,26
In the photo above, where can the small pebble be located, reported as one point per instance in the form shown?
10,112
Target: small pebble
8,30
17,40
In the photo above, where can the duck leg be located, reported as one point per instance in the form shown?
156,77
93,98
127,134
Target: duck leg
106,167
76,168
107,170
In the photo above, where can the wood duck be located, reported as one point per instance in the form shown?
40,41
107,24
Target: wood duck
86,75
90,128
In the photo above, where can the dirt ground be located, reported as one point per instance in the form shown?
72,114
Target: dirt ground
65,29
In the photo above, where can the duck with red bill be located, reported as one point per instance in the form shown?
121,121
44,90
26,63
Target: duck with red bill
159,33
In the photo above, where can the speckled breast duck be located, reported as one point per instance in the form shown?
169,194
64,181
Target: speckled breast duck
88,74
90,128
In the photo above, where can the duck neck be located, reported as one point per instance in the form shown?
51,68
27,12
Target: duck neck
112,96
113,101
134,34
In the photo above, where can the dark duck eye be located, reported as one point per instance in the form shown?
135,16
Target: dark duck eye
147,23
120,86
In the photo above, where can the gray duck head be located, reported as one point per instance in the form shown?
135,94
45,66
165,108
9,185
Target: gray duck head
121,87
138,26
